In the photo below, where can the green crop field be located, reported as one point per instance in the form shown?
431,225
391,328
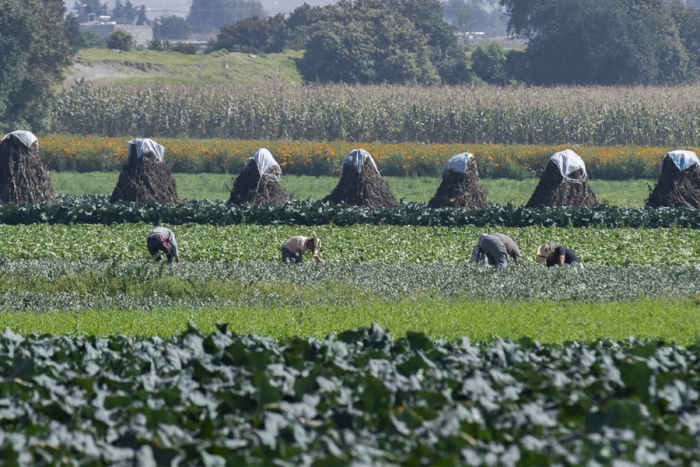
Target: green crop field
350,244
589,116
397,350
232,358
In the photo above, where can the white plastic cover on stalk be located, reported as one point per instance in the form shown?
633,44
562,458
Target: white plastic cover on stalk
266,163
146,145
458,163
683,159
356,158
568,162
26,137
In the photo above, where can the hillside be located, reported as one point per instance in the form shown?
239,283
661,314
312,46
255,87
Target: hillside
149,67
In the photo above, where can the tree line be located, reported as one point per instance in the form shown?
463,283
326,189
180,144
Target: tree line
568,42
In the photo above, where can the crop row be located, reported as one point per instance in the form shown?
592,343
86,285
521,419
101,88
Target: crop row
96,209
352,244
358,398
43,285
92,153
585,116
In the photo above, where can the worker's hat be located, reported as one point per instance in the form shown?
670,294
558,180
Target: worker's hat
543,251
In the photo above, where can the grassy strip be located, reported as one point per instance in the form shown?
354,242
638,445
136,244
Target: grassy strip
420,189
677,321
148,67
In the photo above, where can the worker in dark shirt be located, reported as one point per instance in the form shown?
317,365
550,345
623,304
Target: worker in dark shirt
556,255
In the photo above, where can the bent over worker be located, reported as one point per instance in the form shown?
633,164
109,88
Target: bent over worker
162,239
495,249
556,255
294,249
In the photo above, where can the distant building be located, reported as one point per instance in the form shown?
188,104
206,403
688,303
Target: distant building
103,27
142,34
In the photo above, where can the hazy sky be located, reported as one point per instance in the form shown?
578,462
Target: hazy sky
157,8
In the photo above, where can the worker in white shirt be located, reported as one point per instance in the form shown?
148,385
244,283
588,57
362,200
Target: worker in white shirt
294,248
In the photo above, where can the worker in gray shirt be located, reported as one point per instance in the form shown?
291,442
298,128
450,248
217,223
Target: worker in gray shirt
495,249
162,239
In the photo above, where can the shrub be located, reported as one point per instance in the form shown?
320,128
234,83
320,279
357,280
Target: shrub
92,40
186,48
121,40
159,44
489,63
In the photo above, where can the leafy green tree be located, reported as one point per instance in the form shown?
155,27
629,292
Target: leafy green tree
209,15
92,40
35,54
489,63
121,40
427,17
171,27
367,45
159,44
252,35
464,21
124,12
412,29
141,18
687,18
71,28
610,42
300,25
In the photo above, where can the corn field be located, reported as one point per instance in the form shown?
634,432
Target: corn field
594,116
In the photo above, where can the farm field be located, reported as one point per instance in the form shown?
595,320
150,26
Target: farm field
585,116
410,189
396,351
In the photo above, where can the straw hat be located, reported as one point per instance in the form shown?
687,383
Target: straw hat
543,251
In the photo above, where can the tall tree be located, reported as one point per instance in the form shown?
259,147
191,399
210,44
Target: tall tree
141,18
209,15
252,35
171,27
361,44
598,41
688,20
36,53
124,12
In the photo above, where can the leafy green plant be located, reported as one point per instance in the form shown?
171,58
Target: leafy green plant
95,209
359,396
